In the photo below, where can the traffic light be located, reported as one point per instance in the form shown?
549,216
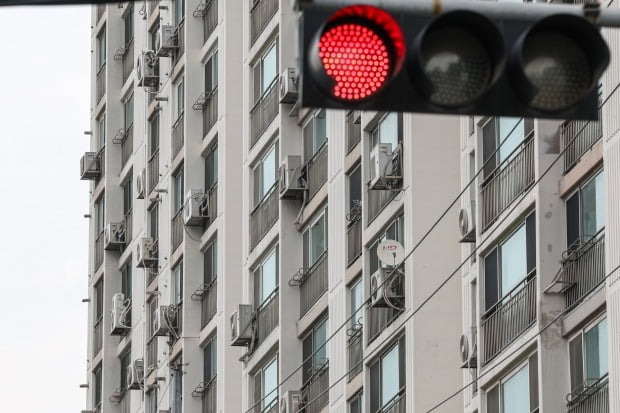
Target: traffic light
459,62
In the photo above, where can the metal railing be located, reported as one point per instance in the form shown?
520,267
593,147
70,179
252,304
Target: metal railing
127,146
264,216
209,397
267,316
593,398
264,111
354,239
507,182
99,250
179,32
209,112
128,221
315,390
101,82
316,170
178,132
578,136
270,408
209,18
153,171
128,61
313,284
177,229
396,405
151,356
208,303
583,268
380,318
354,349
260,14
510,317
98,336
353,131
100,10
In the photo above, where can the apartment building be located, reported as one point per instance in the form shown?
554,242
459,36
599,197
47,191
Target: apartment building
234,235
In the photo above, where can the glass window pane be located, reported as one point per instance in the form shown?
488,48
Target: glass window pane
320,336
516,393
514,139
389,376
600,201
388,129
596,352
270,381
269,276
129,112
317,240
320,130
513,260
356,302
269,168
593,206
270,68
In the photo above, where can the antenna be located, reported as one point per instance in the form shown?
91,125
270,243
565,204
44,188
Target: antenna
390,252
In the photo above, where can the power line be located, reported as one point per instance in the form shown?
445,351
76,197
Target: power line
388,277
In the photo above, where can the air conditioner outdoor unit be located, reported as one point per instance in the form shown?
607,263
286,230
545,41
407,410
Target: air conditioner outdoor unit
380,166
145,69
141,184
164,320
166,41
120,306
146,253
114,236
467,222
288,86
135,374
90,167
240,323
469,349
382,290
289,174
290,402
194,210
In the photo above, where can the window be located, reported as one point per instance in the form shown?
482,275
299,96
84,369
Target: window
356,298
388,130
315,241
180,93
315,340
210,359
179,12
177,385
101,132
126,281
177,284
265,385
355,188
265,174
125,366
471,125
315,134
127,196
353,130
97,387
356,404
153,135
128,112
210,262
387,377
588,356
517,392
265,72
154,222
151,400
101,49
498,130
585,211
266,278
177,186
128,21
211,168
508,264
99,215
99,302
211,73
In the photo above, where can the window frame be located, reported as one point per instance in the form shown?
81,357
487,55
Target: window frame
581,334
258,279
257,187
260,375
529,360
177,284
211,167
313,364
211,75
578,191
260,64
307,238
374,131
178,183
101,41
312,145
128,112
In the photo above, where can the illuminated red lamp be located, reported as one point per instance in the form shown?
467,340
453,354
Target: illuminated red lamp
360,49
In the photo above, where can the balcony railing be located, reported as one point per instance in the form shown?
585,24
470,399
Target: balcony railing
209,18
379,199
507,182
128,61
99,250
128,221
593,398
153,171
177,229
379,318
208,303
314,394
398,404
151,356
177,136
583,268
209,112
354,347
264,111
209,396
98,336
261,13
101,82
578,136
354,236
126,146
509,318
264,216
316,170
100,10
313,284
180,35
353,131
267,316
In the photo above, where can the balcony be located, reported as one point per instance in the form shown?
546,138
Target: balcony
209,18
267,316
380,318
379,199
209,397
260,15
151,356
354,234
126,146
353,130
177,136
314,393
101,160
177,229
208,302
315,171
178,319
100,82
180,35
507,182
577,137
312,283
583,268
396,405
100,10
354,350
593,398
510,317
98,336
128,222
264,216
264,111
212,204
99,250
128,61
152,273
209,112
153,171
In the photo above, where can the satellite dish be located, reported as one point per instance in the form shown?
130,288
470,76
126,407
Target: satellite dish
390,252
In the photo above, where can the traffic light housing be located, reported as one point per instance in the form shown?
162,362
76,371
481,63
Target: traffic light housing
459,62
